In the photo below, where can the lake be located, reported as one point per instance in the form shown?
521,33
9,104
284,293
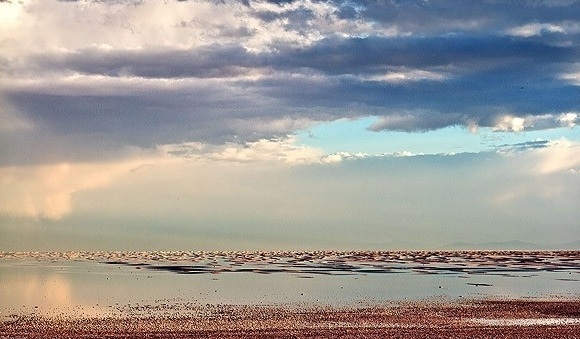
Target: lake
130,283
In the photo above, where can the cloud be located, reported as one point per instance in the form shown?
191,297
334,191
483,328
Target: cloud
403,75
208,61
522,146
416,121
510,123
282,150
12,119
273,193
123,24
266,128
573,78
559,156
387,196
545,157
569,119
174,112
552,167
535,122
46,192
139,74
530,30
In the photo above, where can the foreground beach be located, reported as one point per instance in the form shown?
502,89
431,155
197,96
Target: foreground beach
424,319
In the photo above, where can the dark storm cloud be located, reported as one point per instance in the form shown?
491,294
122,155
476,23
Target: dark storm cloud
204,62
480,70
367,54
296,18
332,56
142,117
435,17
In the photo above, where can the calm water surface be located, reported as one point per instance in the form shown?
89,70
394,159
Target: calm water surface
103,283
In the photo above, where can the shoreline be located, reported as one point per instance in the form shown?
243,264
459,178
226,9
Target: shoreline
474,318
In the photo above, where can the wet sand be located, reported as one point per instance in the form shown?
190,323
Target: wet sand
423,319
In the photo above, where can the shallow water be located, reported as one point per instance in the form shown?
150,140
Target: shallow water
103,283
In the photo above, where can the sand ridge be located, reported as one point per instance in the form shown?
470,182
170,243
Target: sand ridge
325,262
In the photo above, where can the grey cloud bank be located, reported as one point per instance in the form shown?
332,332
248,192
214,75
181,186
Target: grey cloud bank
213,65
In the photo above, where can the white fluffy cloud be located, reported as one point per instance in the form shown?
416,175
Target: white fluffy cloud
401,75
547,174
535,29
178,24
507,123
560,156
573,77
568,119
121,24
281,151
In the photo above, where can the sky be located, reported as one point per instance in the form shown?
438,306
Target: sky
290,124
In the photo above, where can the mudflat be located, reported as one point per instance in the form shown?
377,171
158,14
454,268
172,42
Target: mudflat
416,319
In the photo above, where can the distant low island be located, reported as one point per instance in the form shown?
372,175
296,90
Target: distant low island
512,245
